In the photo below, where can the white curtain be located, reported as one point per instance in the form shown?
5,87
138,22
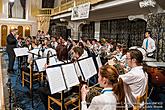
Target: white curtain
17,10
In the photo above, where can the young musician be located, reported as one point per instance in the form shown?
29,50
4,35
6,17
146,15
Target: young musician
112,93
135,80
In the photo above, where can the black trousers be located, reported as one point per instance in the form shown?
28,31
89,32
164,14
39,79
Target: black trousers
11,56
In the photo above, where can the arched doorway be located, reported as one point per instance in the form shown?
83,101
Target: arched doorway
27,31
20,31
3,35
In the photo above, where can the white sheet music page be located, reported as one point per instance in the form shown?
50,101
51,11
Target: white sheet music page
52,61
21,51
53,51
35,51
41,64
78,71
88,67
55,79
98,61
70,75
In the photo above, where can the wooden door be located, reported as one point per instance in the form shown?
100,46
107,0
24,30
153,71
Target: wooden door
27,31
20,31
3,35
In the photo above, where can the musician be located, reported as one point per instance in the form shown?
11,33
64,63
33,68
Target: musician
77,53
85,54
28,43
135,80
11,44
20,39
53,42
149,44
112,93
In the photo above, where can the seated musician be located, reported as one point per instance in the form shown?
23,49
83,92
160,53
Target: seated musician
112,93
118,53
135,80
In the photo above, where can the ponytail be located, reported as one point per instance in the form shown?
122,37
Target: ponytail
118,89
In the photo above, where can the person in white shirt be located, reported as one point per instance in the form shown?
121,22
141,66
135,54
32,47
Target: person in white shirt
136,79
112,93
149,44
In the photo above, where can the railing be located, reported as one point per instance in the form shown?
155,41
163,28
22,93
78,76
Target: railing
67,6
44,12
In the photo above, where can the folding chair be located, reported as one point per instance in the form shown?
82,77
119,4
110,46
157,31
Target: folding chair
71,100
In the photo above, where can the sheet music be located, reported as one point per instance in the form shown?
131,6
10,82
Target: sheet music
88,67
21,51
52,50
78,71
98,61
35,51
70,75
52,61
55,79
41,64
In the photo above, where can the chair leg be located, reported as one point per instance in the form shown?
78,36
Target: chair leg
23,78
48,103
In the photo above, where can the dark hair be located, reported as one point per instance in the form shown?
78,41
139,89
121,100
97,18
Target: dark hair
149,32
81,45
78,50
136,54
62,53
15,29
111,73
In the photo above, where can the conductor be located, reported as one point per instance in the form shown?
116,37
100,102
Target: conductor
11,44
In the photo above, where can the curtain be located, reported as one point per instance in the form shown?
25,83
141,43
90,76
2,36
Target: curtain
23,4
10,9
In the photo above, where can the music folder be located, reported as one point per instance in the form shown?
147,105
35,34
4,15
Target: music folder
98,60
62,77
21,51
41,63
87,67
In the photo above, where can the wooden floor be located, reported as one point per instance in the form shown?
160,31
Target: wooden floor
2,104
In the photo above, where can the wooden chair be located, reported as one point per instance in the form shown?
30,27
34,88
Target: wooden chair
30,77
140,99
73,99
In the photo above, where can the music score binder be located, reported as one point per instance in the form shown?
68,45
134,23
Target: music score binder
87,67
64,76
21,51
41,62
98,60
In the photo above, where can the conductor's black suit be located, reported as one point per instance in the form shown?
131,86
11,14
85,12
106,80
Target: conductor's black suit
11,44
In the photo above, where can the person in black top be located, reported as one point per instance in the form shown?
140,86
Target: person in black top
11,44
